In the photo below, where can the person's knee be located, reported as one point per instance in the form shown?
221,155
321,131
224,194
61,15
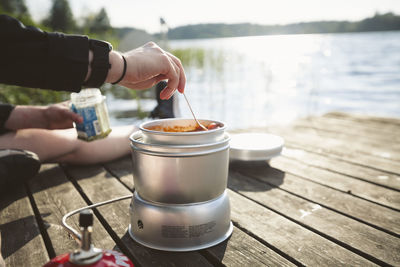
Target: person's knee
47,144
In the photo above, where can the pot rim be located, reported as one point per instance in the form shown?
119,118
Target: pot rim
178,154
134,137
143,129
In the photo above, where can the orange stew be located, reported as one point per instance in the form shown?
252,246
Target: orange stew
178,128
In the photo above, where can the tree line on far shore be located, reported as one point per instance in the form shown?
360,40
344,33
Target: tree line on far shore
60,18
379,22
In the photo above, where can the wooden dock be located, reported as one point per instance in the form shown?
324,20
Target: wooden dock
331,199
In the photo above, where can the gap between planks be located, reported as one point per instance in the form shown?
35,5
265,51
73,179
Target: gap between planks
324,222
322,196
366,190
335,165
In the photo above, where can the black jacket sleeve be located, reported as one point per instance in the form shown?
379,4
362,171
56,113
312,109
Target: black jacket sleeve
5,111
34,58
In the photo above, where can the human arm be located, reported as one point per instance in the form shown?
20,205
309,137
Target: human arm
146,66
56,116
33,58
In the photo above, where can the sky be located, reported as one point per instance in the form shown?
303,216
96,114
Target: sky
145,14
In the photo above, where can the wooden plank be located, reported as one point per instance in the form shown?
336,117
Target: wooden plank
387,147
373,214
333,148
363,129
366,119
122,169
337,149
375,193
100,187
307,247
332,143
339,166
345,231
55,196
243,250
379,141
21,240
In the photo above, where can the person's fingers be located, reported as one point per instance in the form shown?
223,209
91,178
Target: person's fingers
150,44
65,103
173,74
144,84
67,114
182,77
167,92
157,65
77,118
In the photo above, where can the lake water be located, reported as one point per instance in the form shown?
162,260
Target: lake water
261,80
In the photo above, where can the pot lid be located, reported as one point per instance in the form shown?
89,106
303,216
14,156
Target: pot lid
255,146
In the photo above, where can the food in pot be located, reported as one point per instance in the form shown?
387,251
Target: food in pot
213,125
178,128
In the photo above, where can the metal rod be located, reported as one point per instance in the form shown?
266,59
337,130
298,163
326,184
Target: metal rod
201,125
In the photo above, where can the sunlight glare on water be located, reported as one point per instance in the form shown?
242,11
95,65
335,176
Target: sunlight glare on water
258,84
256,81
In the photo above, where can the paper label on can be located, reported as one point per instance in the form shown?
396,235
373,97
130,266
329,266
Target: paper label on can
187,231
91,125
112,256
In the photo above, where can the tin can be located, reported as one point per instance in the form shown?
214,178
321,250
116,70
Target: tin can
88,255
109,258
91,105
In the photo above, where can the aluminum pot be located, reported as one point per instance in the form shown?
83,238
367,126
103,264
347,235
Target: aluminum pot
152,132
184,227
179,174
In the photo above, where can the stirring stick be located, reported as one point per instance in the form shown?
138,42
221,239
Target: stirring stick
201,125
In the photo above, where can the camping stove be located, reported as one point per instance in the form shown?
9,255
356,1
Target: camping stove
180,202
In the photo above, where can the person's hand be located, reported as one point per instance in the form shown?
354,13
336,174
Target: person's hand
146,66
59,116
56,116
